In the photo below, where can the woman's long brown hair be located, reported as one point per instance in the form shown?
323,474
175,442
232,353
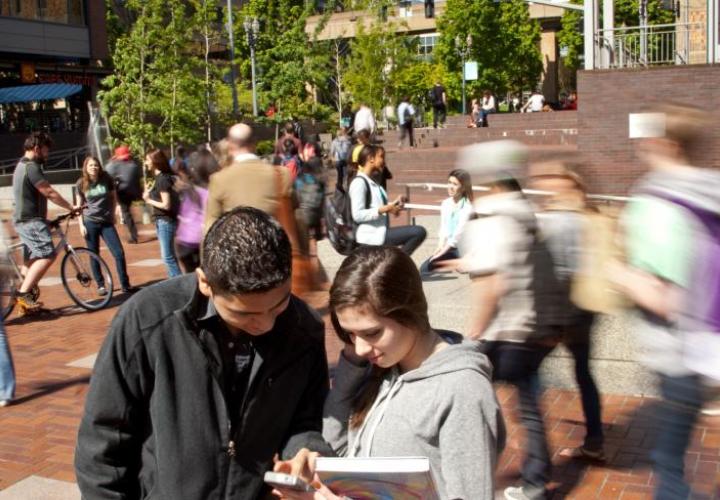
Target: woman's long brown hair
385,280
85,184
465,183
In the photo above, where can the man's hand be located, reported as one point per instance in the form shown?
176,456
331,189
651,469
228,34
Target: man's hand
83,230
301,465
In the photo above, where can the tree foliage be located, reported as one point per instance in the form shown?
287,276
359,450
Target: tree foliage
504,42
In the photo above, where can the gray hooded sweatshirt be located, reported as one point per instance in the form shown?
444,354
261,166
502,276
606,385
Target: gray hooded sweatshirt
445,410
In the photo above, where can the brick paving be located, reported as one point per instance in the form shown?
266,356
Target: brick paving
38,432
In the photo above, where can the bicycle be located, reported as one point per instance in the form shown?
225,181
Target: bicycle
80,271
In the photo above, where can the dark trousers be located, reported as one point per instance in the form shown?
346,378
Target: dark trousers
409,238
106,231
439,114
429,265
341,169
188,255
407,129
678,412
518,364
577,341
125,204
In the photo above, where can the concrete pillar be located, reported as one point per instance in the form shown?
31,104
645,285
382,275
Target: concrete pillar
548,49
608,44
712,31
589,28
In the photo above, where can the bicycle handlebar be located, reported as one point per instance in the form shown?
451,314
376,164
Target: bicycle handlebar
70,215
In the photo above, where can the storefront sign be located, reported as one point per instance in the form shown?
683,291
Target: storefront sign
87,80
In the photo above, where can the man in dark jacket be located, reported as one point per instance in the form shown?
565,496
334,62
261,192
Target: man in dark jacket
204,378
127,174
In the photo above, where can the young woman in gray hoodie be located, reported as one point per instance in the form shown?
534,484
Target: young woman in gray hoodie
404,389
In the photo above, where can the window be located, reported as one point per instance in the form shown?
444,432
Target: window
426,44
41,8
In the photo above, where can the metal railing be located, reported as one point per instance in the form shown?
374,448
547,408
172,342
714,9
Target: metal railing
653,45
64,159
429,186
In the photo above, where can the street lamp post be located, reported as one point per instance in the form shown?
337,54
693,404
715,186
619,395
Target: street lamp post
252,28
463,50
231,39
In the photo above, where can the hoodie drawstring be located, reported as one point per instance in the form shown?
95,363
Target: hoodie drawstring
394,388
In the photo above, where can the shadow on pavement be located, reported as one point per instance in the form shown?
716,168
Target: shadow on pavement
44,389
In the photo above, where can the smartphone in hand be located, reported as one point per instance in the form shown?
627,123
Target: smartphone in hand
286,481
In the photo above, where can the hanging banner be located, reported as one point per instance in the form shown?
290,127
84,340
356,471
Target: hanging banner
471,70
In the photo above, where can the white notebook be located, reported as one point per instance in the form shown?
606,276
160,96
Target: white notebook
379,478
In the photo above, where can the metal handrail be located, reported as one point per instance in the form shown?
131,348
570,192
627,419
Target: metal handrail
55,161
429,186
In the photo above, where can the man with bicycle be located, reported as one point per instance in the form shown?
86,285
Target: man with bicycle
31,191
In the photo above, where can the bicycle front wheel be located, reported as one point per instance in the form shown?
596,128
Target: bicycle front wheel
86,278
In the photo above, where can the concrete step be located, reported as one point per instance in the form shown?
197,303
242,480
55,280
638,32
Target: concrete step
556,119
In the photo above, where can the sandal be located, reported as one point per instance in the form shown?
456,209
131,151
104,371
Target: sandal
583,453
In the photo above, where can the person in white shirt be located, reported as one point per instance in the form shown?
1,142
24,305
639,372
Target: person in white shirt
364,120
454,213
370,213
535,103
406,116
488,106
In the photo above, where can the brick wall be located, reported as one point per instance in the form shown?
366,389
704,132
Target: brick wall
607,97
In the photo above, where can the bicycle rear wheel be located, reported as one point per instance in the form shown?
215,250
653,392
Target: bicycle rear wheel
82,283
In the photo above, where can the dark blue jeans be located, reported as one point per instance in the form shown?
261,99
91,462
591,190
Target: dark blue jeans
7,369
96,230
166,236
408,238
518,364
679,409
429,265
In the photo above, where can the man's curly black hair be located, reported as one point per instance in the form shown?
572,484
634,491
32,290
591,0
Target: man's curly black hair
246,251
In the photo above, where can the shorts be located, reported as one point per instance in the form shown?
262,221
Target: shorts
35,235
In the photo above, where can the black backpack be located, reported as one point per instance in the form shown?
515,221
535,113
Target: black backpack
311,193
338,218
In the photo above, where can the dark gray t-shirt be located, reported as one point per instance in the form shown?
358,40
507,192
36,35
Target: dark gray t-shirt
128,174
99,200
30,203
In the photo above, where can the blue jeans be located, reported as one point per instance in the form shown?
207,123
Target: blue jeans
166,236
682,400
96,230
7,369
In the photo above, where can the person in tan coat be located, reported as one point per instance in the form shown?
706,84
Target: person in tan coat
248,181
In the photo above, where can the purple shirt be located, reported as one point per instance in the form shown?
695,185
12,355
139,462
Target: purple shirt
191,218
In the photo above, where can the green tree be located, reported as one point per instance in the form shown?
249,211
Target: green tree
504,42
378,59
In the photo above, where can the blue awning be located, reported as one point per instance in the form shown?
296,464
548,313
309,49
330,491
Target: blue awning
42,92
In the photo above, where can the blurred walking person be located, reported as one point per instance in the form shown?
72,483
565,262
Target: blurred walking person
127,175
199,166
672,240
164,200
563,224
7,368
96,194
438,97
501,252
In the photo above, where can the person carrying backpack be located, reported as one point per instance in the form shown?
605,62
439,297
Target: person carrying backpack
672,242
371,217
406,116
339,152
310,193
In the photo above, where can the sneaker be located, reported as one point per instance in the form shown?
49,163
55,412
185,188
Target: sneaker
28,303
130,289
102,292
520,493
5,402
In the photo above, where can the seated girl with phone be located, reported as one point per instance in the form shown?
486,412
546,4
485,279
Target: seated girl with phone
402,389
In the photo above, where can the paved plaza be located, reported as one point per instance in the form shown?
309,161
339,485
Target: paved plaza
54,356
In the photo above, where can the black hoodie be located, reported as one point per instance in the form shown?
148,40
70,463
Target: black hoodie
156,423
